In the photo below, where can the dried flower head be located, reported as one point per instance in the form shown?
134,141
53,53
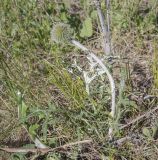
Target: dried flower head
61,33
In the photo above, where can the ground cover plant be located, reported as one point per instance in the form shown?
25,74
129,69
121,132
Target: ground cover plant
55,93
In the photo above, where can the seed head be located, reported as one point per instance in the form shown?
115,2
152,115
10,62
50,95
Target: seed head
61,33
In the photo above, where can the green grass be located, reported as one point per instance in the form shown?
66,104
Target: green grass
53,105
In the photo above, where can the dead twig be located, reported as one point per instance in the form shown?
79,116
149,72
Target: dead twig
43,150
139,118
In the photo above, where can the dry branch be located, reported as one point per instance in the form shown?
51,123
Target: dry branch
44,150
139,118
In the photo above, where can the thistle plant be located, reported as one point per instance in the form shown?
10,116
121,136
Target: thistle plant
61,33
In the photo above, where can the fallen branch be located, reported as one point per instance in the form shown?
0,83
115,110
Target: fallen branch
43,150
139,118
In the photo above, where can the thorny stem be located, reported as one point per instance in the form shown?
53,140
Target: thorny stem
111,80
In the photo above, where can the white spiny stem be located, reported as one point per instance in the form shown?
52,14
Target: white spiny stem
111,80
79,45
85,74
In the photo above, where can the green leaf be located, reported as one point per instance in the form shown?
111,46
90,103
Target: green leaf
52,141
127,102
146,132
87,29
154,131
23,109
44,129
41,115
32,129
63,16
18,156
67,3
94,14
14,29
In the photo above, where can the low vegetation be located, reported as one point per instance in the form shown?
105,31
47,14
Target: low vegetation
45,107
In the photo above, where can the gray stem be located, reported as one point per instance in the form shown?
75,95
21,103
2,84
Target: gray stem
105,28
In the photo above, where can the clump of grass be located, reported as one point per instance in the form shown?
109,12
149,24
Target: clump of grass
72,88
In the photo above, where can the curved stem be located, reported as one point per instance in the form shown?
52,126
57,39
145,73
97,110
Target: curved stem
111,80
